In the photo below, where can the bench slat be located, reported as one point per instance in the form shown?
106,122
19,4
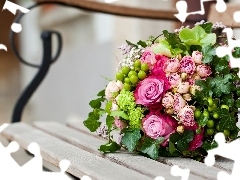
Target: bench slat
221,164
137,162
54,150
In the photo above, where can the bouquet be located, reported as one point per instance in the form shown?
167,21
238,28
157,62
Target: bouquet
171,95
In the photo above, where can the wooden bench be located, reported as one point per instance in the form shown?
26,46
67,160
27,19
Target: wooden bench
73,142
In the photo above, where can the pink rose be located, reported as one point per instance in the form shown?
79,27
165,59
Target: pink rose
119,124
157,125
197,57
149,91
186,116
158,67
174,79
204,70
187,65
168,100
148,57
183,87
112,89
196,142
172,65
179,102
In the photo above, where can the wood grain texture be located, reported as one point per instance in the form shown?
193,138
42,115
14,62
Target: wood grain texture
226,17
138,163
221,163
54,150
121,10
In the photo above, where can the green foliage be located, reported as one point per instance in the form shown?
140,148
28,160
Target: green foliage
209,145
92,122
142,43
207,27
182,140
227,120
236,52
120,114
222,85
109,121
109,147
202,120
131,138
101,93
208,53
96,103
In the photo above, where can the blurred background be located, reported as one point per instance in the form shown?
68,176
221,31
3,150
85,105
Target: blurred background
89,54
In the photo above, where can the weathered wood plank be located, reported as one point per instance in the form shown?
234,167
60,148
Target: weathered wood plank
136,162
223,164
121,10
82,162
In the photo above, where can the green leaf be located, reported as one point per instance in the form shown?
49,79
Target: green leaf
187,34
150,148
92,124
208,39
162,48
209,145
109,121
172,38
208,53
222,85
120,114
207,27
227,99
227,120
96,103
202,120
110,147
237,103
142,43
101,93
220,64
131,138
185,139
171,147
131,44
236,52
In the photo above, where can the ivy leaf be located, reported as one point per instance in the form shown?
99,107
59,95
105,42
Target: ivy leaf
236,52
202,120
222,85
101,93
92,124
96,103
130,139
208,53
186,137
120,114
237,103
227,99
172,38
207,27
109,121
221,64
171,147
110,147
209,145
227,120
150,148
142,43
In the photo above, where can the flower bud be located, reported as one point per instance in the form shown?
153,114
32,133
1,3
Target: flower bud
184,76
174,90
169,110
180,129
187,97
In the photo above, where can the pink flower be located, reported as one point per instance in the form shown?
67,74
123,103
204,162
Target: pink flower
204,70
168,100
119,124
186,116
174,79
197,57
148,57
112,89
172,65
183,87
187,65
149,91
157,125
196,142
179,102
114,107
158,67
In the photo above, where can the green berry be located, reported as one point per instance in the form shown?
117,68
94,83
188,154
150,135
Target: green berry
217,128
144,67
210,124
125,70
214,106
127,87
132,73
215,115
226,133
210,108
137,63
210,131
127,80
197,113
224,106
120,76
142,75
210,102
205,113
134,79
